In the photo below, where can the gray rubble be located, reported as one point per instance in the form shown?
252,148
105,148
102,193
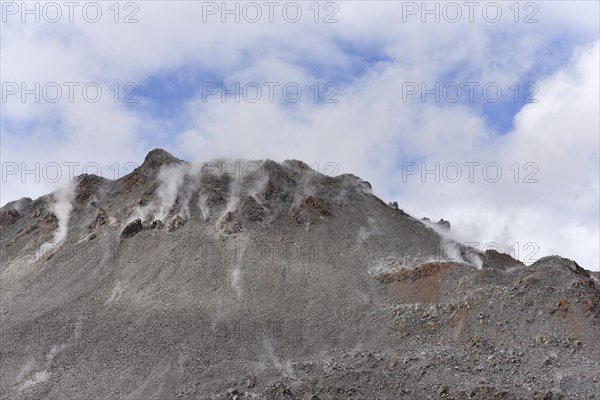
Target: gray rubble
285,284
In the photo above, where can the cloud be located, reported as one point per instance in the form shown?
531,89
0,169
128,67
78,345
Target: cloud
371,54
558,136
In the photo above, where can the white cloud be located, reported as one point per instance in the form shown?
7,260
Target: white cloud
560,213
369,133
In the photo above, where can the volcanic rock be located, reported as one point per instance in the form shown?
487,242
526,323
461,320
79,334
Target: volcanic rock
175,223
101,219
86,187
8,217
307,286
311,209
132,229
253,211
157,224
228,224
494,259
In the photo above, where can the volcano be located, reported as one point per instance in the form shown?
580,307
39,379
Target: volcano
265,280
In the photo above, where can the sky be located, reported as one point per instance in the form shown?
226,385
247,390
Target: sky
485,114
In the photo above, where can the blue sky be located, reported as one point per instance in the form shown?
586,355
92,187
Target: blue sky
370,56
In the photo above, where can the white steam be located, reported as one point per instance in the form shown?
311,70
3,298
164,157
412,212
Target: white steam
243,184
234,197
179,183
42,376
191,185
236,278
366,232
305,187
451,249
514,269
258,185
203,206
171,178
116,293
285,368
477,261
61,208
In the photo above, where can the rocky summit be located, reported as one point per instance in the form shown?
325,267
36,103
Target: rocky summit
265,280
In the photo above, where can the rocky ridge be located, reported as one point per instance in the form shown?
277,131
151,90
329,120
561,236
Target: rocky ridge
274,281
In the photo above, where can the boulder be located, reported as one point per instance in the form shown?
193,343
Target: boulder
445,225
176,223
157,224
113,222
101,219
497,260
132,229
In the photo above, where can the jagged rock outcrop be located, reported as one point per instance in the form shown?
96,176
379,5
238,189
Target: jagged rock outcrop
175,223
494,259
145,173
8,216
310,209
86,187
158,158
252,210
101,219
228,224
442,224
157,224
132,229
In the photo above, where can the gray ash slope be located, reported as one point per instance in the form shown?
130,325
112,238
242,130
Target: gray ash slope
178,281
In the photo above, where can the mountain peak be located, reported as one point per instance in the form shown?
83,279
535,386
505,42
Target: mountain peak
282,264
158,157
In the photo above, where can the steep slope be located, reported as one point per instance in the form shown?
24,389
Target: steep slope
241,279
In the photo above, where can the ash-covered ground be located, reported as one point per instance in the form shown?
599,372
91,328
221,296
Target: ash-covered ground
187,281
